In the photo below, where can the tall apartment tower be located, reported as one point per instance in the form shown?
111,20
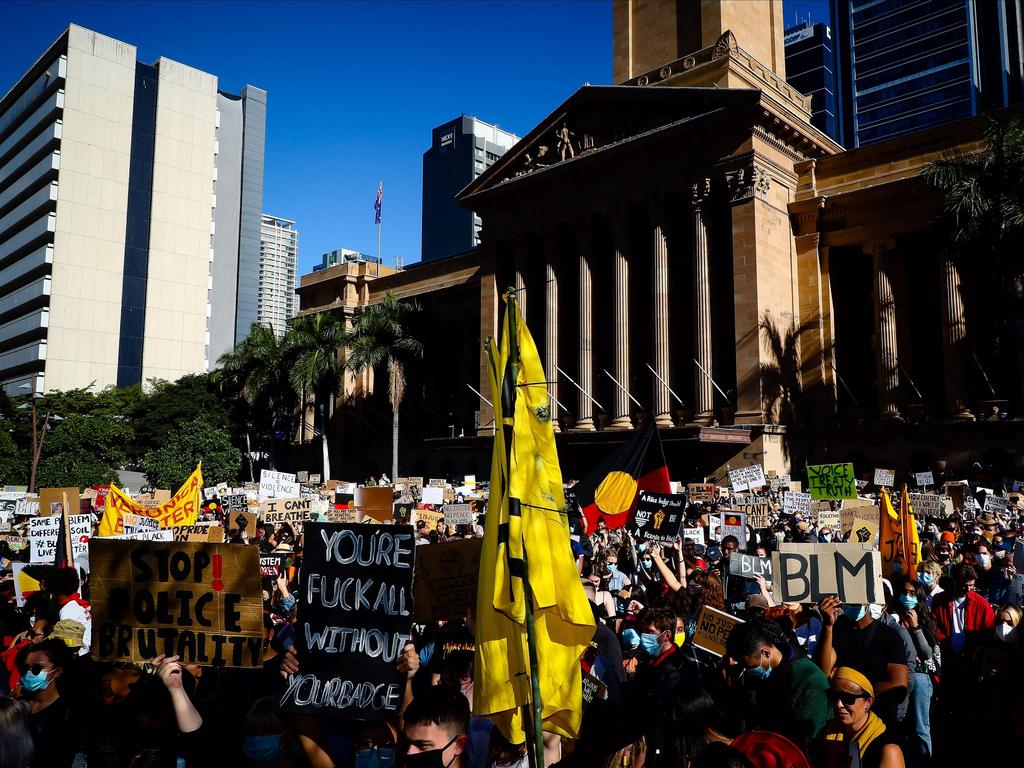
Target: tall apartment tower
461,150
277,301
811,69
111,188
906,66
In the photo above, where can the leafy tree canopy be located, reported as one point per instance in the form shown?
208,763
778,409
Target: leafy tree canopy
84,450
185,446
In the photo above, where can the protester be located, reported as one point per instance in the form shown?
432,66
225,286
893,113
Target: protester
862,737
436,727
56,726
17,745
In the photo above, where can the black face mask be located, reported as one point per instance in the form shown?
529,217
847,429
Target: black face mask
432,758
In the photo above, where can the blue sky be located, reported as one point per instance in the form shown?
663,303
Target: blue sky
355,87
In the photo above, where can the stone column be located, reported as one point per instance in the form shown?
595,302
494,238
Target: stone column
954,338
551,321
620,236
704,394
585,370
659,288
887,357
522,260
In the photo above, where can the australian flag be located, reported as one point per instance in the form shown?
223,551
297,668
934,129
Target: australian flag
377,204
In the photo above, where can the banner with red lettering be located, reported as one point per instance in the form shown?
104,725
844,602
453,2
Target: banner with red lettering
182,509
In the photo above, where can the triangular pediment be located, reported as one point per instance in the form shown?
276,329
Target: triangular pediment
598,118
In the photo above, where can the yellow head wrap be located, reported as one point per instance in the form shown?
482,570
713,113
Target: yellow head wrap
851,674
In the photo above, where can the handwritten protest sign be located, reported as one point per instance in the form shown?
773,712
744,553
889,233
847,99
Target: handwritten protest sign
446,578
132,523
759,515
995,504
234,502
831,481
734,524
658,516
181,509
796,503
829,518
278,485
806,573
459,514
44,531
924,479
160,534
375,502
703,492
10,503
885,478
749,566
432,495
927,504
270,565
747,478
431,518
244,522
355,616
294,512
856,509
593,688
694,534
201,602
863,530
713,629
200,532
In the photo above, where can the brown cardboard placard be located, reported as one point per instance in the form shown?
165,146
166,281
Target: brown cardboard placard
432,518
713,628
294,512
704,492
376,502
201,602
849,514
806,573
51,499
245,521
444,584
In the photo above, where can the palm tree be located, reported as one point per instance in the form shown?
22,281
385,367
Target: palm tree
313,342
379,336
256,371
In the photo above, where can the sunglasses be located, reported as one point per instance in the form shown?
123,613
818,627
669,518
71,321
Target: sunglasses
35,669
848,699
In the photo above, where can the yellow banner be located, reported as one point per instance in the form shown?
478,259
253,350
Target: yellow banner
182,509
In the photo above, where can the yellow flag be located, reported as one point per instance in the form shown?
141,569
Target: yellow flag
911,539
527,532
898,537
182,509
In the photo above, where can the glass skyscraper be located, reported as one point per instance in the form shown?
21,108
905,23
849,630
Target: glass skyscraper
811,69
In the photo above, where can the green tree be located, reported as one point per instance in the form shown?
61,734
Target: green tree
171,404
983,217
313,342
205,440
380,336
14,460
84,450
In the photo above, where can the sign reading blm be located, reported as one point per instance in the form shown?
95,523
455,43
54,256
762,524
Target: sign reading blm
658,516
201,602
355,617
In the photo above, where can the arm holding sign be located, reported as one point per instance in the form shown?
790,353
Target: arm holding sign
666,572
409,663
824,655
168,669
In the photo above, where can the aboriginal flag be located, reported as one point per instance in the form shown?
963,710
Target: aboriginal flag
610,491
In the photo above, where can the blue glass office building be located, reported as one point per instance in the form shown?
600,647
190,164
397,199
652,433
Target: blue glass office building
811,69
906,65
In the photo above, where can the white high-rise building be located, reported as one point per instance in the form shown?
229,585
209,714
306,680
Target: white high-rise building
117,179
277,301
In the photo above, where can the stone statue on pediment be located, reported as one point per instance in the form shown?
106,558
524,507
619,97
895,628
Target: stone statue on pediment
564,136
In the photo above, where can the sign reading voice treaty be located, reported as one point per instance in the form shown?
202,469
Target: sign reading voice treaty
355,617
831,481
201,602
806,573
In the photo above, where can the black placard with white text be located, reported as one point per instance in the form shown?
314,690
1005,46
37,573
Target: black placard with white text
658,516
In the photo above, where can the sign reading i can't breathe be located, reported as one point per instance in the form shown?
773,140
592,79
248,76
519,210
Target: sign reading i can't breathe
355,617
201,602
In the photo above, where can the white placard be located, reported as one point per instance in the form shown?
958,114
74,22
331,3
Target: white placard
747,478
163,534
796,503
696,535
278,485
995,504
43,533
885,478
924,479
432,495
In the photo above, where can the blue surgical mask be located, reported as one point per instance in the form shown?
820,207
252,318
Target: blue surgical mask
760,672
926,578
650,643
642,546
983,560
647,562
854,612
262,749
34,682
613,567
908,601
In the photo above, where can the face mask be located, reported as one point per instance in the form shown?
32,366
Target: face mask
679,638
926,578
826,537
875,610
854,612
908,601
760,672
375,757
650,643
1006,632
693,587
431,758
262,749
613,567
647,562
983,560
34,683
642,547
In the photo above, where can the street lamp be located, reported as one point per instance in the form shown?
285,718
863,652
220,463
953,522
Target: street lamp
37,448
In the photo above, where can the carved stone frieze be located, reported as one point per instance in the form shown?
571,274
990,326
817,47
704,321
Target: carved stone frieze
745,183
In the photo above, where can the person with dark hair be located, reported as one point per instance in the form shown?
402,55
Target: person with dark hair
268,739
436,725
734,588
17,748
63,584
56,728
787,690
962,617
856,733
911,606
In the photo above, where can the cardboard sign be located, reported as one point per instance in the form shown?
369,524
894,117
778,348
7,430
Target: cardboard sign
994,504
295,512
270,565
51,500
924,479
885,478
734,524
416,482
446,578
277,485
658,516
796,504
927,504
830,518
434,520
355,617
864,530
160,534
849,514
831,481
747,478
302,476
132,523
341,515
713,629
201,602
234,502
376,502
459,514
43,533
436,482
749,566
199,533
759,515
593,688
806,573
432,495
695,534
703,492
10,503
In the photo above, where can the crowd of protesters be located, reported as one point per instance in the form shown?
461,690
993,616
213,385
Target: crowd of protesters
934,671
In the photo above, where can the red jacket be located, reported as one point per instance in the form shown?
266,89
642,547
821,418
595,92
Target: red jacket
978,618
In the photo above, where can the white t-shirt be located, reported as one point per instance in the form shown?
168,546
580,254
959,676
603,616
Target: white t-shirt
957,640
72,610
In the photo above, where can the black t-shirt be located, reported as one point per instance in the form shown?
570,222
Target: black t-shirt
57,731
870,651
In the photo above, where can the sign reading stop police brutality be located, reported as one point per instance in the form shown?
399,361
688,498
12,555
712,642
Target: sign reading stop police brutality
201,602
355,617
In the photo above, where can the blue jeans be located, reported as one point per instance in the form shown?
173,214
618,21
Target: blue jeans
920,706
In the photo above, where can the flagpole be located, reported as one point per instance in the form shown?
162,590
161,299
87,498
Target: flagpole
380,219
531,629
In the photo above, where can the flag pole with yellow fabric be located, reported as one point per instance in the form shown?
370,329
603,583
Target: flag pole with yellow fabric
898,537
182,509
533,620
